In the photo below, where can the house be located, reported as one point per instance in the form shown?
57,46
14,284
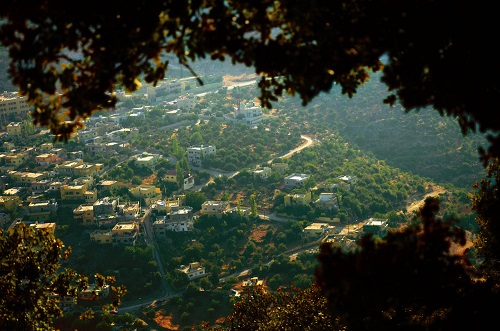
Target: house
93,292
46,159
193,270
46,146
106,221
105,206
196,154
147,160
316,230
42,210
14,128
147,192
15,160
101,236
248,114
187,102
95,149
188,180
50,227
130,210
126,233
165,206
327,201
376,226
84,215
179,220
297,199
252,282
66,168
12,104
262,172
40,186
87,169
170,176
295,180
216,208
280,167
107,185
344,181
75,155
23,178
78,192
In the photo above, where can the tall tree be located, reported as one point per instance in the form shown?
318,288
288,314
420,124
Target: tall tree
179,176
287,309
486,203
31,282
253,205
413,279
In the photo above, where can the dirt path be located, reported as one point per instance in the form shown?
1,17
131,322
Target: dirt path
415,206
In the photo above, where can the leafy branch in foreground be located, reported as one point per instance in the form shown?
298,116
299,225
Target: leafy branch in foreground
31,282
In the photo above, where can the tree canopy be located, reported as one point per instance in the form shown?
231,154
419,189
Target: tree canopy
32,281
69,59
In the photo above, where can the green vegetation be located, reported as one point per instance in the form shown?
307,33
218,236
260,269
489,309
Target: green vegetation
32,281
417,277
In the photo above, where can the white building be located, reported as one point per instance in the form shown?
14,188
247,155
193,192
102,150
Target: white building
248,114
196,154
295,180
193,270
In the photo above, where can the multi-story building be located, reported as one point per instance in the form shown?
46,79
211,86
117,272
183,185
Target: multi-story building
46,159
280,167
66,168
15,160
107,185
188,180
295,180
95,149
78,192
105,206
22,178
216,208
13,106
248,114
130,210
262,172
179,220
297,199
149,193
86,169
196,154
84,215
42,210
101,236
125,233
50,227
165,206
14,129
93,292
327,200
187,102
147,160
